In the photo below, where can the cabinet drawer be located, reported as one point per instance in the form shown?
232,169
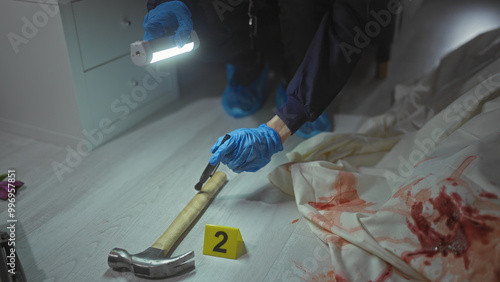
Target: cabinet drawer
119,88
106,28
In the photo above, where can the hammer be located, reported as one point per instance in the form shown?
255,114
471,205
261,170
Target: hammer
153,262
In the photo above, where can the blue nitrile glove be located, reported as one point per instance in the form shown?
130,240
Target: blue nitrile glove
248,149
168,16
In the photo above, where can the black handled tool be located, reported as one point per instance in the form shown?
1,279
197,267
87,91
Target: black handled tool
210,169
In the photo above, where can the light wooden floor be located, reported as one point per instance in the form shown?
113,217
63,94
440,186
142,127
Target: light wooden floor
126,193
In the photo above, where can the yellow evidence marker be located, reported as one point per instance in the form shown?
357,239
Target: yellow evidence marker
223,241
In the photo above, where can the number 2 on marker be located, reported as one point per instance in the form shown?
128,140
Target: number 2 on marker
217,247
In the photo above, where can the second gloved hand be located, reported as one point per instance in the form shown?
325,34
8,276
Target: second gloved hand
169,17
248,149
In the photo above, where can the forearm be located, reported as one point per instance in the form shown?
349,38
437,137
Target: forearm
279,126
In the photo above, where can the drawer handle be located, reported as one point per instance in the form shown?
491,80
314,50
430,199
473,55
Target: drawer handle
126,22
133,83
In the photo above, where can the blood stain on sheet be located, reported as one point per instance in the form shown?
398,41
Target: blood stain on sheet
406,199
465,226
386,274
424,160
344,199
332,239
295,221
407,241
460,170
454,230
455,178
288,165
339,278
488,195
404,192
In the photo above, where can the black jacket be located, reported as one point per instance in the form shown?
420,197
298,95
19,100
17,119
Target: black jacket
327,61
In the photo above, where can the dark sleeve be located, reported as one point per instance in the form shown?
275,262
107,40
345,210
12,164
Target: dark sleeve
328,63
151,4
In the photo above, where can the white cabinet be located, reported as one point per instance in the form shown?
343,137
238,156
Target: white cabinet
66,70
106,28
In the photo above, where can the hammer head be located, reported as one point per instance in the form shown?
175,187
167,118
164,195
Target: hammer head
151,263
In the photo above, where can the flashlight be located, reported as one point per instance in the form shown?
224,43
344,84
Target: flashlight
149,52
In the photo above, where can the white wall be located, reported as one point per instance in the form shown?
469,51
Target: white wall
37,94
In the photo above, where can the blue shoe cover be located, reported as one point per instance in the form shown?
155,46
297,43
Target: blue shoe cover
309,129
241,101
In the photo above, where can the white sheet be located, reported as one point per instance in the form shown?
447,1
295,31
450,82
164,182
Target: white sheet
414,194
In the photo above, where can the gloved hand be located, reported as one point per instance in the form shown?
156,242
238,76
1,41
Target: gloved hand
248,149
169,16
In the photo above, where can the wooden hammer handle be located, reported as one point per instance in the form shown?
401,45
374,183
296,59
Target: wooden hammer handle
189,213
